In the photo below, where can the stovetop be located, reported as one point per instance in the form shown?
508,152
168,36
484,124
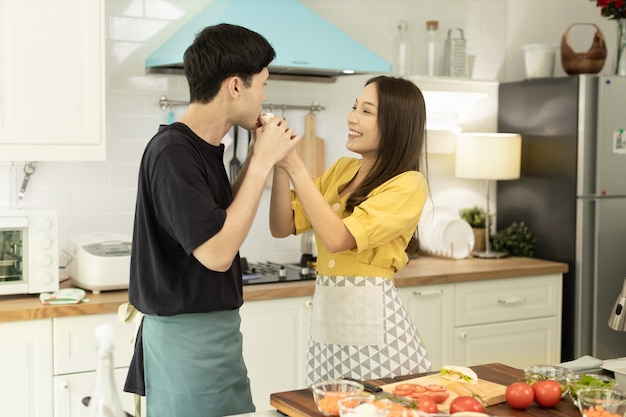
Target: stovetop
271,272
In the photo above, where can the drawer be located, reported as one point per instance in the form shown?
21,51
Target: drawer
499,300
519,344
75,342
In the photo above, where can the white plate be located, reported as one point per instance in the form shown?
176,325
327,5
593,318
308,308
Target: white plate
457,239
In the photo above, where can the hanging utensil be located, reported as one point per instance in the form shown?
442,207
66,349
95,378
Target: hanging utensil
235,164
29,169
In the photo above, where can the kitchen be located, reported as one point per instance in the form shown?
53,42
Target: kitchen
100,195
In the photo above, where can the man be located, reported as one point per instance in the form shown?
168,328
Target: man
185,269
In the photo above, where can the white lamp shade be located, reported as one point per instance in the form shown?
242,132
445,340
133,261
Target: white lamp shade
488,156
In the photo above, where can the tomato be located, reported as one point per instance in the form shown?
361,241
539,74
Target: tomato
408,390
547,393
466,403
410,387
427,405
437,392
400,393
519,395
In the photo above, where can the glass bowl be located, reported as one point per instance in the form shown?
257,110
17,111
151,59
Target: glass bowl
593,402
364,406
542,372
328,393
578,382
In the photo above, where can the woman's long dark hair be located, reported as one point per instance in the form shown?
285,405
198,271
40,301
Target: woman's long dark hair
401,125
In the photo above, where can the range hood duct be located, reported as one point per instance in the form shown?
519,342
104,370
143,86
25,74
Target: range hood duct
306,44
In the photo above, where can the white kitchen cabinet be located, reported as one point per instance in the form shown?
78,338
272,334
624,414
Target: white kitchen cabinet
52,80
75,349
275,344
515,321
69,391
26,364
431,308
519,343
75,344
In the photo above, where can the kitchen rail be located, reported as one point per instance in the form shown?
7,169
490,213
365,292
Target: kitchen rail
422,271
166,104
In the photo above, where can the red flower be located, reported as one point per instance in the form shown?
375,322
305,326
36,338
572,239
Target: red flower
613,9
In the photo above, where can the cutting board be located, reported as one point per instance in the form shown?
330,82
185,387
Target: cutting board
311,148
490,392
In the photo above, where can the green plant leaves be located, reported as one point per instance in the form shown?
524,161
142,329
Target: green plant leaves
516,240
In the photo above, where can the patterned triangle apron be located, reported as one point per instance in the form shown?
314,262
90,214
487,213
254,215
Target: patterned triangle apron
360,329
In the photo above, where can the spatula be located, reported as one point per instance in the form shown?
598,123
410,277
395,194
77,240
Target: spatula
235,164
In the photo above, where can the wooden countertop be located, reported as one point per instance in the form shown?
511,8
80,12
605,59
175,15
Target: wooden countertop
425,270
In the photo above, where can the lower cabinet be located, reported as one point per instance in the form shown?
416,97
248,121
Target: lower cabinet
26,364
69,391
74,360
518,344
431,307
275,345
516,321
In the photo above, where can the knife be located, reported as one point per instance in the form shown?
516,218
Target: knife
366,385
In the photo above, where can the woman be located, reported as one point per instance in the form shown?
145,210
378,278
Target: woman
364,213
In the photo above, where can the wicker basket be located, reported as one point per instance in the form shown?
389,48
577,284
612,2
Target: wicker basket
590,62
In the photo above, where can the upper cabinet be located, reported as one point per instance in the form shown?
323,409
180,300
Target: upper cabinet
52,84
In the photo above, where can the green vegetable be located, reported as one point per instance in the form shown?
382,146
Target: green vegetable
589,381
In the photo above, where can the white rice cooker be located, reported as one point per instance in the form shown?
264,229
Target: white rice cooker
99,261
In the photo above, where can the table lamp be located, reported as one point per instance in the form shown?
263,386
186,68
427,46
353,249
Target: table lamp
616,320
488,156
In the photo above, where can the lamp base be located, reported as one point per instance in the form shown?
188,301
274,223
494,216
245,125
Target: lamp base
489,254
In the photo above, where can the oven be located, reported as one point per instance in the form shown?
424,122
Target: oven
29,258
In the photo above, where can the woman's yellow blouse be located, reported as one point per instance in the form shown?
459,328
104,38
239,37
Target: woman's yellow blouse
382,225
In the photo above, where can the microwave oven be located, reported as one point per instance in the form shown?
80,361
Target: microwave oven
29,251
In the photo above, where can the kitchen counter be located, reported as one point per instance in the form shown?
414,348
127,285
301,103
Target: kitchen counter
422,271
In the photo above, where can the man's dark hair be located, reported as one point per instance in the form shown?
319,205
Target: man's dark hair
222,51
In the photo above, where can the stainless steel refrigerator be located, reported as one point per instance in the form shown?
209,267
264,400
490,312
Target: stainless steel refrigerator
572,195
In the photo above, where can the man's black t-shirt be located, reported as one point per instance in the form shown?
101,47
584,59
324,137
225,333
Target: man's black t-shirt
182,196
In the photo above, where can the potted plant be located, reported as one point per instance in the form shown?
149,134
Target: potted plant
516,240
476,217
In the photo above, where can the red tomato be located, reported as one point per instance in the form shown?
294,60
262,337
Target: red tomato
519,395
437,392
547,393
401,393
427,405
410,387
408,390
466,403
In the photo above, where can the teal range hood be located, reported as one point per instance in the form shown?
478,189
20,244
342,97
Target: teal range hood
305,43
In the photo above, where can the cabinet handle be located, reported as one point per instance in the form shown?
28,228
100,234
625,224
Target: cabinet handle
64,386
427,293
308,303
517,300
463,336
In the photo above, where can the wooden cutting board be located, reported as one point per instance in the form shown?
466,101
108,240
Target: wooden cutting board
311,148
490,392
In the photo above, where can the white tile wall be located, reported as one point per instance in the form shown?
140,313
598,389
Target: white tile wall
100,196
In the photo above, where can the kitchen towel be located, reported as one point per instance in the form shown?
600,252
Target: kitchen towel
64,296
583,363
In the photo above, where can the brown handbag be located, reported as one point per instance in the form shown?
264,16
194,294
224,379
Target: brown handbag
590,62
